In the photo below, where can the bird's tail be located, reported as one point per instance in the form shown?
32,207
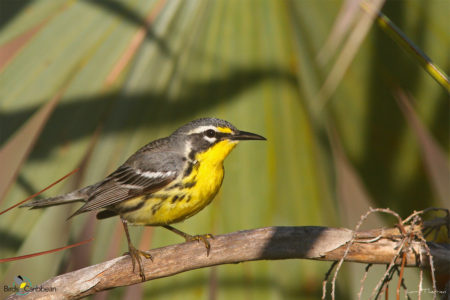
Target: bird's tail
76,196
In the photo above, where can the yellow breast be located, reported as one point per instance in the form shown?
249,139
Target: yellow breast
187,195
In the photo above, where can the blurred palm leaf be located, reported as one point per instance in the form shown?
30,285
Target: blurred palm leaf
134,71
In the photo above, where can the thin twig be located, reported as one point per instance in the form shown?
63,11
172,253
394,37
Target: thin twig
430,259
420,282
419,236
380,283
40,192
3,260
400,276
424,211
363,280
350,243
385,285
324,282
403,285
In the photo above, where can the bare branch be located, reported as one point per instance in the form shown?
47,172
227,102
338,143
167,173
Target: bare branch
270,243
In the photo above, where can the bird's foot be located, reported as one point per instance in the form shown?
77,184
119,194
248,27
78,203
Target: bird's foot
135,255
201,237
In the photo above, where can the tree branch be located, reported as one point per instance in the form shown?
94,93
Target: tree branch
270,243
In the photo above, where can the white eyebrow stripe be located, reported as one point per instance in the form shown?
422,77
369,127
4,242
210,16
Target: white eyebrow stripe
202,129
158,174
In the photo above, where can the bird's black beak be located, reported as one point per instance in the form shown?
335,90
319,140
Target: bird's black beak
244,135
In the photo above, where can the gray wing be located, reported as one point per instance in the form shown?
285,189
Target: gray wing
142,174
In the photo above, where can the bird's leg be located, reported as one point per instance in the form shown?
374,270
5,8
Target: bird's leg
135,254
201,237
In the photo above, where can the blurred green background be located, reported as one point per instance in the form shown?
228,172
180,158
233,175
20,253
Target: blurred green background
86,83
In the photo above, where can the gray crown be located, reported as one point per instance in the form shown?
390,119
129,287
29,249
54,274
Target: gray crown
204,122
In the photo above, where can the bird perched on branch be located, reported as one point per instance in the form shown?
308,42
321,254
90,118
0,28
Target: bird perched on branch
164,182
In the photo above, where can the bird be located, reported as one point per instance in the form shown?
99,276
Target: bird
164,182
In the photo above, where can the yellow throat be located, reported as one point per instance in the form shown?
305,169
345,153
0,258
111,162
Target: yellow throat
197,190
208,173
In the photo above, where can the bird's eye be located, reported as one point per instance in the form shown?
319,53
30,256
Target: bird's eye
210,133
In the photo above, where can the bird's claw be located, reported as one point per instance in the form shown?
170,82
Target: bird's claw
135,255
201,237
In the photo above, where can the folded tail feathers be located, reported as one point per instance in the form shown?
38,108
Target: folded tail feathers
76,196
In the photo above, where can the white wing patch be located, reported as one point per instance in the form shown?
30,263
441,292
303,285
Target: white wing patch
158,174
131,186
